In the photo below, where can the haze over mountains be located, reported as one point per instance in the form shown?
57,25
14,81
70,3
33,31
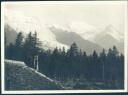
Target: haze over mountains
87,37
10,34
92,25
60,37
67,37
110,37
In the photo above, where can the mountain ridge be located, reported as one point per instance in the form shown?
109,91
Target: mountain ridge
81,30
69,37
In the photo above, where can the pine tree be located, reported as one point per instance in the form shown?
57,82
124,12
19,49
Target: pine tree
63,52
115,51
95,56
31,48
112,60
36,44
73,51
5,44
56,53
19,46
103,60
121,68
10,54
95,65
19,40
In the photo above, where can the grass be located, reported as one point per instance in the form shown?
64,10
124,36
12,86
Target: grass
21,77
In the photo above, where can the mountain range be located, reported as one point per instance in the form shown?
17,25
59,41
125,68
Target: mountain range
10,34
88,38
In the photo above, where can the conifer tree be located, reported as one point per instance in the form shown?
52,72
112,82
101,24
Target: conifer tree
31,48
5,44
19,40
103,64
19,46
73,51
115,51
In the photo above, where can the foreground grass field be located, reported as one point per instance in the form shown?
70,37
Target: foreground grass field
21,77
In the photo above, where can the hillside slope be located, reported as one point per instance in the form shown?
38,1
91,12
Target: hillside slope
21,77
10,34
68,38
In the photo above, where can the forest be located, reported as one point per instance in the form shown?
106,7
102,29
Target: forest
70,65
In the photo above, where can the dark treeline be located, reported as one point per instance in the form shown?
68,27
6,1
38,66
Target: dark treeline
61,64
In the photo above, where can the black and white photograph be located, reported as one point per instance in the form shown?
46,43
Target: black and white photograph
64,46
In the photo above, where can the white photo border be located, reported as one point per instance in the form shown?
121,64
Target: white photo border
62,91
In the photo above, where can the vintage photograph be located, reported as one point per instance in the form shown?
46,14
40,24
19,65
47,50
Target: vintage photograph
69,45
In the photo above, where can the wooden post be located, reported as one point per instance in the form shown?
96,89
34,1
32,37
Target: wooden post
36,67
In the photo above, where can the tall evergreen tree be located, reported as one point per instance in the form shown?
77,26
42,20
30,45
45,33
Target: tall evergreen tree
73,51
95,65
103,64
19,40
19,46
31,48
5,45
10,52
115,51
36,44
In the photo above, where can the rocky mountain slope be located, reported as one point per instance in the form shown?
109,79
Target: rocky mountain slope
67,37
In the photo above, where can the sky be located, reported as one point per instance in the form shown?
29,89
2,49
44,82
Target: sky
92,14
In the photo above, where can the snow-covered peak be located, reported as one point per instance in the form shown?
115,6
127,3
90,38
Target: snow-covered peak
86,31
110,30
21,22
83,29
59,27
